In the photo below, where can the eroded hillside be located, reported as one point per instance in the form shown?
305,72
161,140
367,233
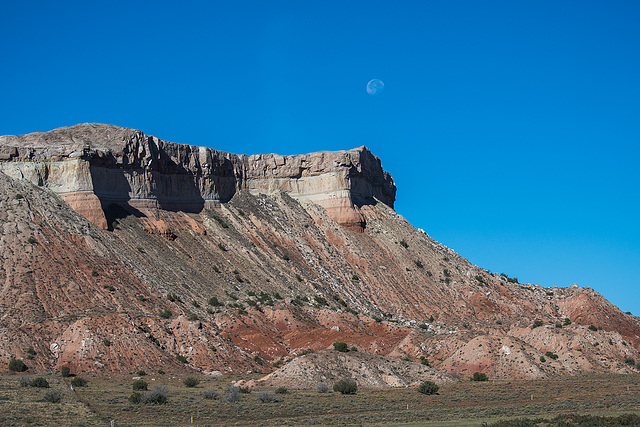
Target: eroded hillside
298,254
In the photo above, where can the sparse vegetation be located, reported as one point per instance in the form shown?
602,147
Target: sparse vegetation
65,371
355,277
346,386
428,387
106,342
322,387
39,382
181,358
232,395
404,243
166,314
267,397
630,361
210,394
141,373
418,263
551,355
593,328
281,390
537,324
222,247
157,396
31,240
213,301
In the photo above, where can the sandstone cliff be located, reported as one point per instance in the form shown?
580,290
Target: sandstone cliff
239,262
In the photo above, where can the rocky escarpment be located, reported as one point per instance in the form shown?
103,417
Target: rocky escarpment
99,168
253,281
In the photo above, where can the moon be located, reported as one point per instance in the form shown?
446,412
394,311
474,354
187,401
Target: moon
375,86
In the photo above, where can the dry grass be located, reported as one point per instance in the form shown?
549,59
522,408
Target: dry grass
463,403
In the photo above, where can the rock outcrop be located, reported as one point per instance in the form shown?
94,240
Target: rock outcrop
237,263
98,169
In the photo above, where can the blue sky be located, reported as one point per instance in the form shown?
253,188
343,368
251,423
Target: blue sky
512,129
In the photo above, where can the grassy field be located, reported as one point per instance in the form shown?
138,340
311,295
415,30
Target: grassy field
462,404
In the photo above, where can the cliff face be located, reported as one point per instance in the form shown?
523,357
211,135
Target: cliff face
256,267
96,168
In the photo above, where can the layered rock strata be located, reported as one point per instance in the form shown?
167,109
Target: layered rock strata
99,169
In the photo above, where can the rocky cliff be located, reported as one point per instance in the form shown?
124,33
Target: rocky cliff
95,167
119,252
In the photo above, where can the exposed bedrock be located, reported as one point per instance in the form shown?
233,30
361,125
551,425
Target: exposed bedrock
104,171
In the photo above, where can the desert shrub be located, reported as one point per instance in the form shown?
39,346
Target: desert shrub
65,371
140,385
232,395
542,359
341,347
39,382
244,390
404,243
181,358
281,390
214,302
355,278
630,361
418,264
479,376
31,351
322,387
346,386
222,247
165,314
79,382
52,396
267,397
536,324
135,398
106,342
567,321
428,387
18,196
17,365
25,381
210,394
551,355
424,361
157,396
141,373
191,381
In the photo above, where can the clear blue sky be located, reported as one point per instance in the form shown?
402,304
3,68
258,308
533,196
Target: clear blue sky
511,128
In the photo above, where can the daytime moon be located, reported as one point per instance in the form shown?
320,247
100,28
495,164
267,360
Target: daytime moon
375,87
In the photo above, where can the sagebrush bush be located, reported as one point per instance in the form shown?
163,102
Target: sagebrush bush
281,390
157,396
25,381
341,347
140,385
346,386
232,395
428,387
191,381
267,397
322,387
210,394
135,398
52,396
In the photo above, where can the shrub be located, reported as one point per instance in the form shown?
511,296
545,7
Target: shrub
232,395
536,324
214,302
267,397
135,398
79,382
94,273
181,358
428,387
31,351
17,365
404,243
65,371
191,381
166,314
210,394
479,376
630,361
567,321
542,359
355,278
39,382
106,342
593,328
424,361
18,196
31,240
52,396
341,347
157,396
140,385
322,387
418,264
141,373
551,355
282,390
347,386
222,247
244,390
25,381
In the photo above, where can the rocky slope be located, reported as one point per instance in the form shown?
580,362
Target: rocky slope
120,251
